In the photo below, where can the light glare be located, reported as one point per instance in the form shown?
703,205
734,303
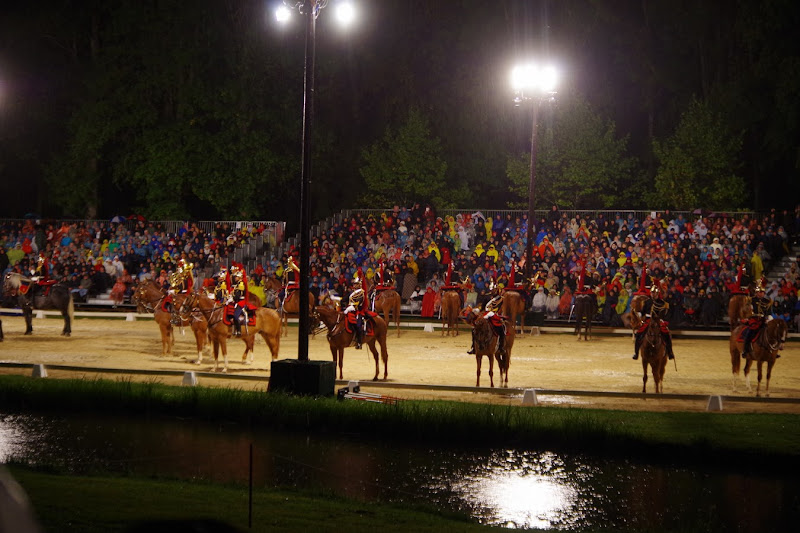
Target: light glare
532,77
282,14
345,13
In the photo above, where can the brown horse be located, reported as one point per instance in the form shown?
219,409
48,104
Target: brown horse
268,324
388,302
514,306
654,354
585,310
148,297
290,305
487,343
765,349
738,309
339,338
451,305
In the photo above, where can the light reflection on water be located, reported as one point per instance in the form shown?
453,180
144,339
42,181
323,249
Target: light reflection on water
511,488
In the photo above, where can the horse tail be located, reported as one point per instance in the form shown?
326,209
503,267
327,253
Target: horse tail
70,308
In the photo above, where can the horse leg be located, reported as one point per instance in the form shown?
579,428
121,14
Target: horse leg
216,353
644,376
1,330
68,313
374,350
747,366
27,312
249,340
491,371
770,364
478,358
340,355
224,346
760,364
273,343
736,363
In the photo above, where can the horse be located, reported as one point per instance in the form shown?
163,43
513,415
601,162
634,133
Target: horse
388,302
654,354
209,311
290,306
56,296
739,308
585,310
487,343
765,349
513,306
451,304
339,338
148,297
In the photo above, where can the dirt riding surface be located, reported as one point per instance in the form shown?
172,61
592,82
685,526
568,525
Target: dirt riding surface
546,362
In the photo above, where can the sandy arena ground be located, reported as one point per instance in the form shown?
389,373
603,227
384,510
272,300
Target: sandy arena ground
551,361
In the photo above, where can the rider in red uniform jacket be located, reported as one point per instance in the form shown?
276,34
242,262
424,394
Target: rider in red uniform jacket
497,321
654,306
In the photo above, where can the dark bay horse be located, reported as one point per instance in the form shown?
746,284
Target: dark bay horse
339,338
654,355
585,310
514,306
487,343
207,310
35,296
450,308
770,341
290,305
388,302
148,297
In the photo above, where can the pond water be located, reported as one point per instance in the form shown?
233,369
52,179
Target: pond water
507,487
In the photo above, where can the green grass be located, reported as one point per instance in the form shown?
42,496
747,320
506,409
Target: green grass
107,504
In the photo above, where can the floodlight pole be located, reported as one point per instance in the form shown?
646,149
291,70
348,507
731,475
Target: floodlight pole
309,11
532,190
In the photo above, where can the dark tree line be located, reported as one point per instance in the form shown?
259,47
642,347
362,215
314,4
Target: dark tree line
192,109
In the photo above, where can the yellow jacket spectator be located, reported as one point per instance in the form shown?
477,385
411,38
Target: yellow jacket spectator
432,248
412,265
492,253
479,251
758,266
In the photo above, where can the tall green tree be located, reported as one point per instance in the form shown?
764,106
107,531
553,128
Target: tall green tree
406,166
581,162
697,163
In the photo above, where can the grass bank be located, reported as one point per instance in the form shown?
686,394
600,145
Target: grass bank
707,437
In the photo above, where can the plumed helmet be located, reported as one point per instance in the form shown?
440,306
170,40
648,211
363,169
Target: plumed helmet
759,287
494,303
357,297
655,289
181,263
223,270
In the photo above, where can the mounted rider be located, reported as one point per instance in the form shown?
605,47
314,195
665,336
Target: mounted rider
237,281
356,310
180,282
383,282
654,306
291,280
221,293
738,287
41,274
758,319
496,321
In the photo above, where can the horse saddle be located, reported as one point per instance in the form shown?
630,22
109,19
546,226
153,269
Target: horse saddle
227,318
350,322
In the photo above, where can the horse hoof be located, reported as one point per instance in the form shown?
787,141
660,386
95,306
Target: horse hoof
28,333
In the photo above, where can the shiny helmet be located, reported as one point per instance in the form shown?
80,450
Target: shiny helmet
236,273
181,264
223,271
759,287
655,290
41,260
494,304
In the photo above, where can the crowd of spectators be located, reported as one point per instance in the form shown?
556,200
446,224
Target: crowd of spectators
697,256
95,257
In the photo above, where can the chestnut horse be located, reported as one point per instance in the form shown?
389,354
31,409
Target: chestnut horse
653,353
268,324
486,343
388,302
451,305
739,309
765,349
514,306
290,305
585,310
339,338
148,297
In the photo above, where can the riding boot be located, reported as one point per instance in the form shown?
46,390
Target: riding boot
359,338
668,341
237,329
501,345
748,345
636,345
